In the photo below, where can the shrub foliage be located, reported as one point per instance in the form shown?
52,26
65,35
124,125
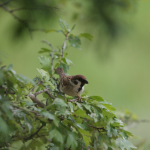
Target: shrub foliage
50,120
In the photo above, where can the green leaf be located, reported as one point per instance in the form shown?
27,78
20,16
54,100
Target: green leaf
75,41
83,132
79,105
71,141
63,24
29,126
71,106
88,107
60,102
97,98
54,148
81,113
50,30
44,50
50,116
125,144
46,78
83,126
57,135
57,65
64,66
117,123
45,62
87,140
87,36
109,107
30,103
67,61
73,27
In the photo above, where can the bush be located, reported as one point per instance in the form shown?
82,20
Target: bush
55,122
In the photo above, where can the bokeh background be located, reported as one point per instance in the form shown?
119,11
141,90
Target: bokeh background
117,61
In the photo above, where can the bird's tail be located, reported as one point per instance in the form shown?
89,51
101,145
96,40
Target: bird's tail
60,71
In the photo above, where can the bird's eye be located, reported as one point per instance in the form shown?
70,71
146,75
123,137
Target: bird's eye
75,82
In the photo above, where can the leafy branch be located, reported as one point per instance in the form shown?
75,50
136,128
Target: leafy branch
56,122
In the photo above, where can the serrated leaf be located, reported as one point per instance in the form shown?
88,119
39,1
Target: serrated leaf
83,126
75,41
71,141
67,61
117,123
57,65
125,144
88,107
50,116
81,113
44,50
71,106
97,98
79,105
57,135
60,102
46,78
45,62
87,36
83,132
87,140
109,107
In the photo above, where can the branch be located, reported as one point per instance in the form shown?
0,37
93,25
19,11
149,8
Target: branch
97,128
36,100
34,112
5,3
64,44
75,100
36,133
36,85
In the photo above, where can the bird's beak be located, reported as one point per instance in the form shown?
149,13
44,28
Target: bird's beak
86,82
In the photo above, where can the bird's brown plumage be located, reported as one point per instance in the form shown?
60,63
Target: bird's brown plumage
71,85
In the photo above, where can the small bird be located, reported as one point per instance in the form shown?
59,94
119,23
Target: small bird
71,85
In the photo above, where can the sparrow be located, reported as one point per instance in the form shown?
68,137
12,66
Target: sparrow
71,85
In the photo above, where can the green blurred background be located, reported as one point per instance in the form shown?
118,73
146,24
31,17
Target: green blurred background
116,64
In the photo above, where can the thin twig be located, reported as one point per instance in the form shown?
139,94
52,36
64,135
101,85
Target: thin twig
50,95
75,100
36,85
47,101
97,128
42,91
64,45
36,133
16,17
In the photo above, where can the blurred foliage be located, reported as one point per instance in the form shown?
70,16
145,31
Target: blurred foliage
55,122
102,13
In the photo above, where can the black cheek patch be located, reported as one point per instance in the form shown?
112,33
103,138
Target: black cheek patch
75,82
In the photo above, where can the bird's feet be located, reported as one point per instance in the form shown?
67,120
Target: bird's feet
79,98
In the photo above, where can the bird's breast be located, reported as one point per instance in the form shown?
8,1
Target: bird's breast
72,90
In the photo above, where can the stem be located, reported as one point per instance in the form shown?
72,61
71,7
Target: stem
64,44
